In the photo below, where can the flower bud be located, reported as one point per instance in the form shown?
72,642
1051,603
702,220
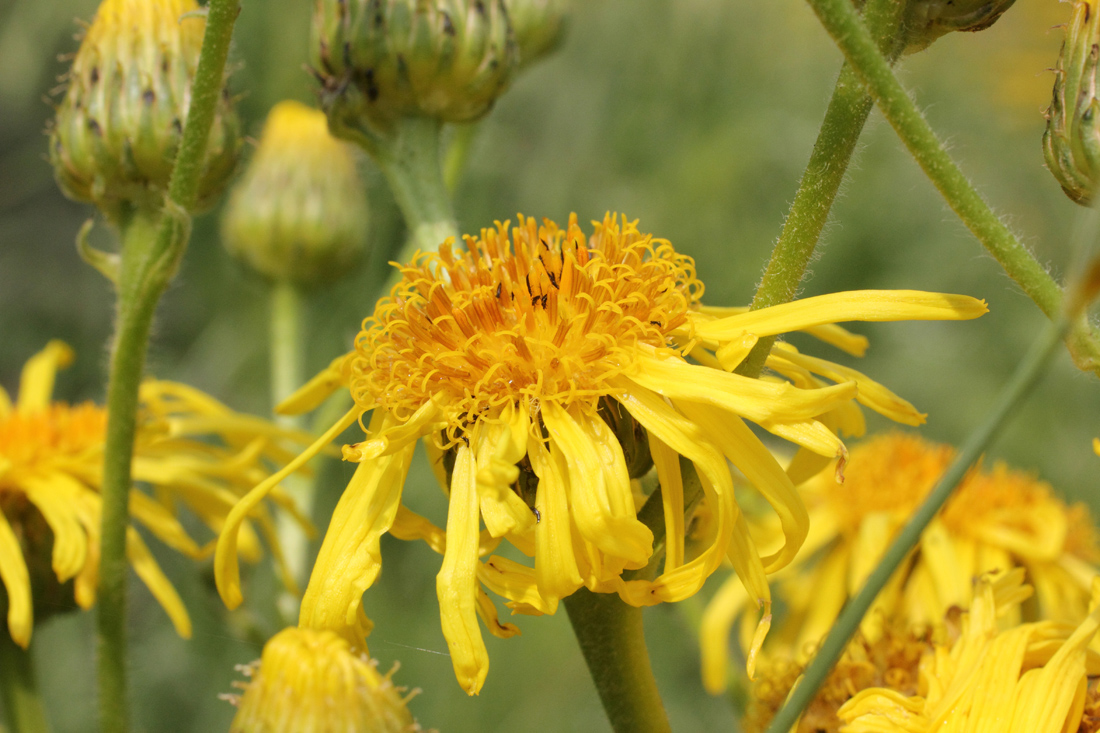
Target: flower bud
299,213
539,26
311,680
929,19
119,125
1071,142
384,59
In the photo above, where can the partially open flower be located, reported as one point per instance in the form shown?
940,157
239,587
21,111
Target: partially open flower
927,20
997,519
193,451
299,213
539,26
528,359
312,681
383,59
119,125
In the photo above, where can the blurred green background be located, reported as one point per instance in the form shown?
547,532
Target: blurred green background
695,116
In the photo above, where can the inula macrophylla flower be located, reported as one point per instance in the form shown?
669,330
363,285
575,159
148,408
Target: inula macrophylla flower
1020,679
119,125
193,451
997,519
299,214
546,370
1071,142
312,681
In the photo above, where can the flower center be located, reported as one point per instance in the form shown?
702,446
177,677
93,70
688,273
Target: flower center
534,312
60,432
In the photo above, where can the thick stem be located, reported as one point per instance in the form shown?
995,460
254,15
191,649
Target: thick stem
458,154
410,158
1023,380
836,142
136,304
854,40
19,690
612,640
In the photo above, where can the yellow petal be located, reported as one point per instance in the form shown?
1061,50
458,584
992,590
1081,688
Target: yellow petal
487,611
456,584
350,557
227,574
161,522
394,435
556,570
744,450
36,381
667,463
856,305
871,393
13,571
810,434
316,390
516,582
599,486
498,450
714,632
830,333
150,573
755,399
5,404
55,497
733,352
408,525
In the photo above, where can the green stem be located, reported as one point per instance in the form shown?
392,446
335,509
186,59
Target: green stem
152,246
612,640
458,154
1021,384
286,377
836,142
19,690
854,40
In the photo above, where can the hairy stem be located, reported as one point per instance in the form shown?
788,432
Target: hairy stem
152,246
19,689
836,142
855,41
1023,380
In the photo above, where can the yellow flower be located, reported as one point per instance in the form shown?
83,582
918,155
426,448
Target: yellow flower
1030,677
312,681
529,359
51,465
997,519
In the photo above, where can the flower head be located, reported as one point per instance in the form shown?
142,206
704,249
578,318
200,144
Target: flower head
1027,677
312,681
51,464
299,213
547,370
121,120
997,519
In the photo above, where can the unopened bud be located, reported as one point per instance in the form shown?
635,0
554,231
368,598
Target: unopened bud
929,19
1071,142
384,59
539,26
299,213
119,125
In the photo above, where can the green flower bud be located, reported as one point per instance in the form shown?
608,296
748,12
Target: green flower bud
539,26
1071,142
384,59
118,127
929,19
299,213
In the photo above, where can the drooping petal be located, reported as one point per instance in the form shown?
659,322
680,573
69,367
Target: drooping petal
227,574
394,435
350,557
315,391
746,452
158,584
667,463
714,632
13,571
499,445
456,584
516,582
487,612
54,496
830,333
556,570
37,378
599,486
